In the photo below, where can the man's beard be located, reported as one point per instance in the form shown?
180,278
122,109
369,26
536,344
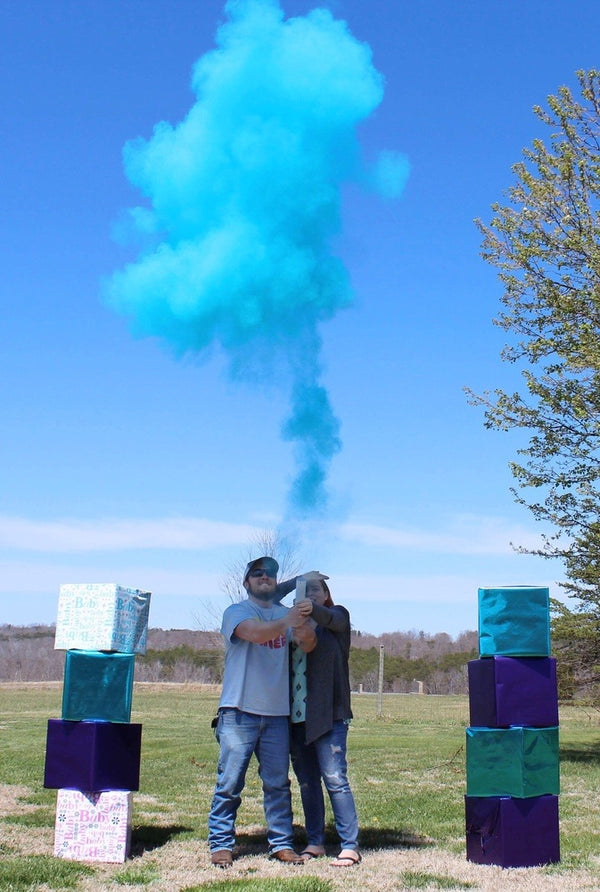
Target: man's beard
263,596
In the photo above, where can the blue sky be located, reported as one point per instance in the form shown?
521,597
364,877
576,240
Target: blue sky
122,462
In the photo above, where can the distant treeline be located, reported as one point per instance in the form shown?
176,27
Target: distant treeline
413,661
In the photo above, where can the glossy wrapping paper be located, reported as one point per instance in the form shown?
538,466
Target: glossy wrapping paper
506,691
514,621
92,756
512,832
520,762
97,685
102,616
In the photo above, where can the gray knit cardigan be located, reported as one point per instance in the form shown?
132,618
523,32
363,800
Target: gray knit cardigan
327,676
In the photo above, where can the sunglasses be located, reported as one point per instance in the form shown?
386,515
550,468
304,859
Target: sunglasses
254,574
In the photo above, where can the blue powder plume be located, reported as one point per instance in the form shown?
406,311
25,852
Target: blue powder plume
243,204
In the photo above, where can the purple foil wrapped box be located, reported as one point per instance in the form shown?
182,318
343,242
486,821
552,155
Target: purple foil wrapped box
94,756
93,826
506,691
512,832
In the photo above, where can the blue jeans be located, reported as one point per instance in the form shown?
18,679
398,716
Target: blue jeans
325,759
240,734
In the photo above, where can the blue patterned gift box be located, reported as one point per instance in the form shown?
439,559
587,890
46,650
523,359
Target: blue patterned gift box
102,616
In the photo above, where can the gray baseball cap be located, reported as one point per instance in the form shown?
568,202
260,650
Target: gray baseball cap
262,563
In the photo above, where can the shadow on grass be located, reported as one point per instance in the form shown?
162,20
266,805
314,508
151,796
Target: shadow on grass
582,752
392,838
146,838
255,843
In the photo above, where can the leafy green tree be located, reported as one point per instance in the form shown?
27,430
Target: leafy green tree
576,644
545,244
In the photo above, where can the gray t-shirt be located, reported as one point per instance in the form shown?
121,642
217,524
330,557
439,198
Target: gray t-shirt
256,676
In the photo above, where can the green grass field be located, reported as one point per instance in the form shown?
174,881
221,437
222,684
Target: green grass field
408,775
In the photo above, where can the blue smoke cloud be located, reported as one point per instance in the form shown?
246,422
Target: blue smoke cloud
243,204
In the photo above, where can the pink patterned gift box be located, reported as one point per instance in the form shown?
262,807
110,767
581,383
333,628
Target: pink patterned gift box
93,826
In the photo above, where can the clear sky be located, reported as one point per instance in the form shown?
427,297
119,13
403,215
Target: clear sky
124,461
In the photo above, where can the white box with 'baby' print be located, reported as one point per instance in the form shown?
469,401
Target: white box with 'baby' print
102,616
93,826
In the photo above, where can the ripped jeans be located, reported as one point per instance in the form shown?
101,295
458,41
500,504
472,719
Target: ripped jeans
325,759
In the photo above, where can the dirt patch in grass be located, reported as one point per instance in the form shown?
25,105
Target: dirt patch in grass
16,838
184,863
11,800
180,865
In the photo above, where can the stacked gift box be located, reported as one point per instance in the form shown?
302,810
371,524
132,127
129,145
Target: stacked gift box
512,742
93,750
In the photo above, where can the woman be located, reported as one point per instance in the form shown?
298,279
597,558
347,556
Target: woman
320,716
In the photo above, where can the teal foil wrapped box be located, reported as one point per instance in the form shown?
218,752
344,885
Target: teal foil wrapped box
517,761
102,616
97,686
514,621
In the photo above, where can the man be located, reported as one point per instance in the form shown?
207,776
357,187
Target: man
254,710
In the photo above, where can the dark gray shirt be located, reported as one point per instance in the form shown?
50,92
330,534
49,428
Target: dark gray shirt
327,675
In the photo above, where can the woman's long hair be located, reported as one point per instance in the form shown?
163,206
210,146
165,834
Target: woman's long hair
328,600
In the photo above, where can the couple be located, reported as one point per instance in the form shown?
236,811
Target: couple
254,715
